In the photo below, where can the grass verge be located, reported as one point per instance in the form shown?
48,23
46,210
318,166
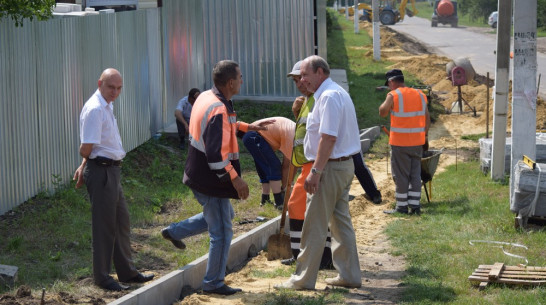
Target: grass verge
466,206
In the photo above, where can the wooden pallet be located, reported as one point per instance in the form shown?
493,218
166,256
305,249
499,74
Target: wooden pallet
499,273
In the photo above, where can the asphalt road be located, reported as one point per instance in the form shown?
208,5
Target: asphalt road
461,42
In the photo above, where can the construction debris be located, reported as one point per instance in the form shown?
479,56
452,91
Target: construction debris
513,275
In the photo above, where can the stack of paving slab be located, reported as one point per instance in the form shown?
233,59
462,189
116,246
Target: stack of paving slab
529,185
62,10
486,146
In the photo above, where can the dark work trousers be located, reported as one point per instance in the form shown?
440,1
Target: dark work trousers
364,176
110,224
181,131
406,173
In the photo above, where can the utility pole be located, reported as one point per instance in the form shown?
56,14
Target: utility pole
376,36
356,19
524,84
502,76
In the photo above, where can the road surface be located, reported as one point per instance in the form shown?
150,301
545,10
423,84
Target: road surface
461,42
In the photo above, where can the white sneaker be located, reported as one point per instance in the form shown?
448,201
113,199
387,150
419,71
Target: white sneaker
337,281
288,285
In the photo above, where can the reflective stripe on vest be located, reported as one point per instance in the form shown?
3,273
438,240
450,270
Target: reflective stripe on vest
408,117
209,106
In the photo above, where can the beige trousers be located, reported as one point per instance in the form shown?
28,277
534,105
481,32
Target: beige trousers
329,206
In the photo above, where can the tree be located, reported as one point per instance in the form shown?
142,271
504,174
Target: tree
477,9
541,11
18,10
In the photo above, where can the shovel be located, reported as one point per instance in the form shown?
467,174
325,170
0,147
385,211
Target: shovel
278,245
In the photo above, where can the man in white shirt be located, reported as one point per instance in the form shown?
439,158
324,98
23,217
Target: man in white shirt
331,139
100,170
182,114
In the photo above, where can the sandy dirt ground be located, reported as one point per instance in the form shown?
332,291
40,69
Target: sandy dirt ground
381,271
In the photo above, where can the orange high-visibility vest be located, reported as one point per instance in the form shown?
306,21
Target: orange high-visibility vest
408,119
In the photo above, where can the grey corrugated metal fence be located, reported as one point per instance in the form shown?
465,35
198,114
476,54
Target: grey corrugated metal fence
49,69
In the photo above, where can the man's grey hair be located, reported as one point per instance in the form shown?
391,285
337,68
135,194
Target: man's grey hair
224,71
315,62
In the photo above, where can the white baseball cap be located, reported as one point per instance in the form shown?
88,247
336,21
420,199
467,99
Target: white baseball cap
295,70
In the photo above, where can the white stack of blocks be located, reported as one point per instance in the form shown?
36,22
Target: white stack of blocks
486,146
71,9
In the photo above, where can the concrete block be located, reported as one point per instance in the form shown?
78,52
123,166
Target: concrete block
8,275
370,133
167,289
62,8
486,146
526,181
67,8
238,252
194,272
365,145
107,11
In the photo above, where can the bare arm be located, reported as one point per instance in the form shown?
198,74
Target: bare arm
85,151
325,148
180,117
261,126
387,105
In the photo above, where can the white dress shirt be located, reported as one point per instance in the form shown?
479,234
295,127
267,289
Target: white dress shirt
333,114
98,126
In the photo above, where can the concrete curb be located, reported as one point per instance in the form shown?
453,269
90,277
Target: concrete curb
168,288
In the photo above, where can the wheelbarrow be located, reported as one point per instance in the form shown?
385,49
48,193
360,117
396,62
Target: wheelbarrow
429,163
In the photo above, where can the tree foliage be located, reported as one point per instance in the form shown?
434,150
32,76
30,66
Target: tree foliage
18,10
541,14
477,9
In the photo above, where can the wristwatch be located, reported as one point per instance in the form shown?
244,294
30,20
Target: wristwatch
315,171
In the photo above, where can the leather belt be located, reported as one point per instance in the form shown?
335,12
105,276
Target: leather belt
103,161
341,159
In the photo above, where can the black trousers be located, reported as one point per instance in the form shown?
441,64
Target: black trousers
364,176
110,224
181,131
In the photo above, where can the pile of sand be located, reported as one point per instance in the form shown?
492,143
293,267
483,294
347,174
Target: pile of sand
431,70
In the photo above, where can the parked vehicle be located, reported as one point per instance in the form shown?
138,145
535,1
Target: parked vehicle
445,12
492,21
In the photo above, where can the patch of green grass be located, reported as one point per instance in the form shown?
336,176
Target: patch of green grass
466,206
291,297
279,272
474,137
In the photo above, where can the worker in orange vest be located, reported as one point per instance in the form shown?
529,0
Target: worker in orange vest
410,121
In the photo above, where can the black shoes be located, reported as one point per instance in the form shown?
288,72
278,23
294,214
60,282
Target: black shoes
411,211
415,210
115,286
288,261
177,243
224,290
141,278
397,210
376,199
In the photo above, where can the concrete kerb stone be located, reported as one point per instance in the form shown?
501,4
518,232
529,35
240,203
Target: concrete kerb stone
168,288
367,136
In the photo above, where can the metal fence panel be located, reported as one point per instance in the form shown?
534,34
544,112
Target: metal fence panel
49,69
266,37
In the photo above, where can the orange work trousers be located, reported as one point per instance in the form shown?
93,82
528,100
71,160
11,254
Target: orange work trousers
298,198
